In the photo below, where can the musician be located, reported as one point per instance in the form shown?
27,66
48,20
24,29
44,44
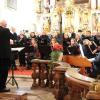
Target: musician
73,48
90,48
5,54
32,52
22,42
44,46
66,43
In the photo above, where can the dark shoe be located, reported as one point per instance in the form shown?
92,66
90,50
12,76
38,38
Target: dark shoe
5,90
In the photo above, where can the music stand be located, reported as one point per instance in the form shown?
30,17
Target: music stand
12,68
12,77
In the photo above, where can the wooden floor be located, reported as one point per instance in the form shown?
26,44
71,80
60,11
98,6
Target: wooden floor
24,84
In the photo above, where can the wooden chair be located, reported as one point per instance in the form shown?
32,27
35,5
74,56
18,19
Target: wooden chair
78,61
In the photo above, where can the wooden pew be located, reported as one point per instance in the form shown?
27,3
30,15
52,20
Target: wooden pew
78,61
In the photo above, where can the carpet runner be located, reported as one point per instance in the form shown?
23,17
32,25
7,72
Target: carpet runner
21,71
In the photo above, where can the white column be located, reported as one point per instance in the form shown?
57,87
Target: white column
98,4
76,20
93,4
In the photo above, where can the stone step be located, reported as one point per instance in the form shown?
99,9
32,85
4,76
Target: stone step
19,95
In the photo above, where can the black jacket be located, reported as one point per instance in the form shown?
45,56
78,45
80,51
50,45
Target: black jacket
5,49
96,67
97,60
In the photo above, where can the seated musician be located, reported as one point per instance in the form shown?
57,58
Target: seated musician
73,48
22,42
66,43
57,50
90,48
95,37
44,46
32,35
32,52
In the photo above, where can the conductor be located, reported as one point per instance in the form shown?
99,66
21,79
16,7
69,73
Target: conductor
5,55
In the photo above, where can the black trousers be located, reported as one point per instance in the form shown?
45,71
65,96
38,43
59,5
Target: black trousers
4,67
45,51
22,57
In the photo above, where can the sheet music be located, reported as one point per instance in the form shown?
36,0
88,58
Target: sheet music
91,59
17,49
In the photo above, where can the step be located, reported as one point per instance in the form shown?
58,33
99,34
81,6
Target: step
19,95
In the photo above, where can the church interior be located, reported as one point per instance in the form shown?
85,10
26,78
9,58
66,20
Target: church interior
56,49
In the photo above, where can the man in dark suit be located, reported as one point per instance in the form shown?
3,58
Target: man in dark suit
5,55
